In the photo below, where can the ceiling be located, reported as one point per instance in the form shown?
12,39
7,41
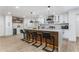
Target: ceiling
25,11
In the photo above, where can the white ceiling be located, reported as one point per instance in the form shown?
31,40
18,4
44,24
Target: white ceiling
37,10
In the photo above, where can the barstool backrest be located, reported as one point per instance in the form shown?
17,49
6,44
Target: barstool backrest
21,31
46,34
26,31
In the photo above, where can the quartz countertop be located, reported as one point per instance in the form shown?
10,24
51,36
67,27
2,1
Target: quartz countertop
55,30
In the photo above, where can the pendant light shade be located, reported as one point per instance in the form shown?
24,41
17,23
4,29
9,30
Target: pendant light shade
48,7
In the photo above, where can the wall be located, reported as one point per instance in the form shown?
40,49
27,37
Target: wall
77,22
2,26
74,20
72,26
63,18
77,26
70,18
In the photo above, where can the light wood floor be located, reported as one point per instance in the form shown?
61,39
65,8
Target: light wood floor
70,46
14,44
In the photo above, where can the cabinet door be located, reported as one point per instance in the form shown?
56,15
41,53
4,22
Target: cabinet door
8,25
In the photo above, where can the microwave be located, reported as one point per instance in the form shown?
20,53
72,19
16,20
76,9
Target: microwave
65,27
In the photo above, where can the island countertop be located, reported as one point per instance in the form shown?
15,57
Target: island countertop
50,30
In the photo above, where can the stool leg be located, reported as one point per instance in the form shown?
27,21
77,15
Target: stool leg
23,37
29,39
35,41
53,46
45,44
40,42
53,43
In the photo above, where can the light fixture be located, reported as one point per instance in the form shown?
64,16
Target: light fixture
9,13
31,21
17,6
48,11
49,7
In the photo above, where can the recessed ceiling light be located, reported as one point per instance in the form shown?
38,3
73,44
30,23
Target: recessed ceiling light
17,6
9,12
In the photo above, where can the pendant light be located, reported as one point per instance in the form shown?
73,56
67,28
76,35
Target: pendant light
48,13
31,17
49,7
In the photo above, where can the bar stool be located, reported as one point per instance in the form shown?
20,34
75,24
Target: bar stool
48,38
22,31
26,37
29,37
39,34
34,37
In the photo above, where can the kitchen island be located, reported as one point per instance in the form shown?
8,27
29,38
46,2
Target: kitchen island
56,33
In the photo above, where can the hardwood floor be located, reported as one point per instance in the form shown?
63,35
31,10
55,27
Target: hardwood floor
14,44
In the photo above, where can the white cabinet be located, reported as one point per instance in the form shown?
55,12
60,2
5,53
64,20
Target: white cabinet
8,25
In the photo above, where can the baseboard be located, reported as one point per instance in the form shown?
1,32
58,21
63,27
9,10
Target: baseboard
66,39
6,36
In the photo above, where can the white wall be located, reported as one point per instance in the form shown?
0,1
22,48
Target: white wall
74,18
72,26
70,18
2,24
63,18
77,26
8,26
